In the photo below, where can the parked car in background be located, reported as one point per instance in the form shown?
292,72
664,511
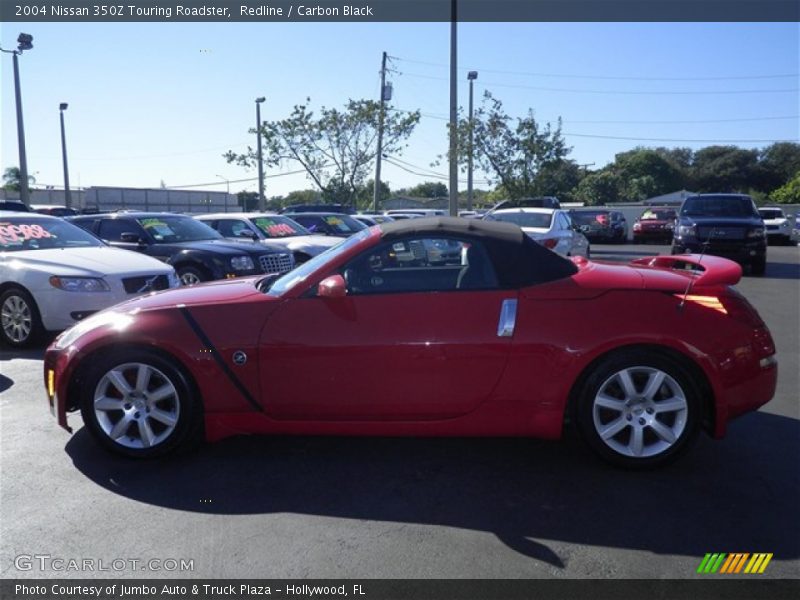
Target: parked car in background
197,252
324,223
371,220
553,229
419,212
513,341
54,210
274,231
402,216
724,225
318,208
655,225
602,226
779,228
14,205
53,274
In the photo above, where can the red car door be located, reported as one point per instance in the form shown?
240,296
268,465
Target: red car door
424,345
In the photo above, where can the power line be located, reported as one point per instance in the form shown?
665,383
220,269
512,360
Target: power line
216,183
610,77
639,139
487,84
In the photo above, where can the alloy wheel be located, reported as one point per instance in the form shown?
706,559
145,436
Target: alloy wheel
136,405
16,319
640,412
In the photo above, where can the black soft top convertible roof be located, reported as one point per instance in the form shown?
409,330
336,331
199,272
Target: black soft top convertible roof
518,260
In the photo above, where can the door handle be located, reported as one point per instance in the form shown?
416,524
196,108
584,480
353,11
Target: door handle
508,318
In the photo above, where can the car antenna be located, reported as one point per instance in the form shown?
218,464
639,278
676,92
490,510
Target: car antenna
706,244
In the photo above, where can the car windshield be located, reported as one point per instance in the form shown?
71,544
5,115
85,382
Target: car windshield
719,206
771,213
286,282
171,229
657,215
279,227
343,223
524,219
22,233
586,217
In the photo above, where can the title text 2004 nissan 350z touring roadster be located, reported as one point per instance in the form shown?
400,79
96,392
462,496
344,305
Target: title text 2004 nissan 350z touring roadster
369,338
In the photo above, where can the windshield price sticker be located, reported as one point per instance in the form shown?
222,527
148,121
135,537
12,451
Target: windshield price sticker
10,233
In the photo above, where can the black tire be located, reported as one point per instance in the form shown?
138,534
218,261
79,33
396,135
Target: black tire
139,412
20,321
652,417
190,275
758,266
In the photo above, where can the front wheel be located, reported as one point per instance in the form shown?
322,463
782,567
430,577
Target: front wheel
138,404
192,275
20,322
638,410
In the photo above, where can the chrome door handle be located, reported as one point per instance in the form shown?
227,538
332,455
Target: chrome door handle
508,318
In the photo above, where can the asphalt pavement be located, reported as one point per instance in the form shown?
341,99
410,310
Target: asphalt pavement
315,507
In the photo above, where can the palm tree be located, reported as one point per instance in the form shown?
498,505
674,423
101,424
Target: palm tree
12,179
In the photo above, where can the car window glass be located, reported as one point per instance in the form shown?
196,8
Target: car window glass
173,229
231,227
112,229
18,233
524,219
421,264
278,227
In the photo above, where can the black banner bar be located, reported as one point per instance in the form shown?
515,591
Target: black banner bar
708,587
399,10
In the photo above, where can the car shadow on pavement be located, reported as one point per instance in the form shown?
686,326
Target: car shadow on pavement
738,494
782,270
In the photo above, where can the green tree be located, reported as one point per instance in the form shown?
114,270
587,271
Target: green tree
779,162
12,179
247,200
337,148
789,193
645,173
366,193
559,178
514,152
428,189
302,197
600,187
725,169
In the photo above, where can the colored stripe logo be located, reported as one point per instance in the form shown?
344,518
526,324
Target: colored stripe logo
737,562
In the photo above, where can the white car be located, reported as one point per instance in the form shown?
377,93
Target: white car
552,228
53,274
276,231
779,228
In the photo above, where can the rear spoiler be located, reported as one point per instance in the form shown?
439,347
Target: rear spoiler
709,270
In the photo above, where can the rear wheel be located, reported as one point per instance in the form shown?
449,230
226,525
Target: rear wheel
638,410
137,404
20,322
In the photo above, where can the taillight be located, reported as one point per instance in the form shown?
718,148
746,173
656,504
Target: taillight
712,302
549,243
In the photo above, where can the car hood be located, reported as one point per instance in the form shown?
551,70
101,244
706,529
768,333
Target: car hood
223,291
722,221
226,247
87,262
303,242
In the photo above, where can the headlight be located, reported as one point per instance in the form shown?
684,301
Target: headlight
686,230
242,263
637,226
785,224
79,284
758,232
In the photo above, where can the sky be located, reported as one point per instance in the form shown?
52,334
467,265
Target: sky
162,102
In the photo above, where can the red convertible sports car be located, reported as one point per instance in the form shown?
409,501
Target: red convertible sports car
512,340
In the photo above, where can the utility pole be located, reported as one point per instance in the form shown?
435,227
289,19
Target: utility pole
24,42
376,191
262,202
453,112
471,76
67,195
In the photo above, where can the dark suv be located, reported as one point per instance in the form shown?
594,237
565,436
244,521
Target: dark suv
724,225
197,252
609,226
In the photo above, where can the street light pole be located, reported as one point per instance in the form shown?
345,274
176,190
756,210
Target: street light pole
262,203
227,190
24,43
67,195
453,204
471,76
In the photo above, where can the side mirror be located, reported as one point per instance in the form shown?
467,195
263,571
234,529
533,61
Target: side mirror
332,287
250,235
